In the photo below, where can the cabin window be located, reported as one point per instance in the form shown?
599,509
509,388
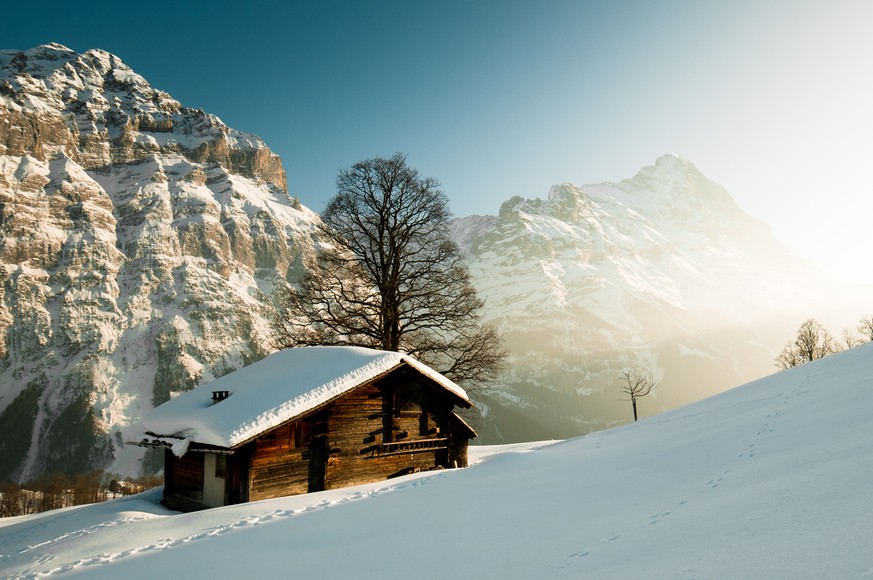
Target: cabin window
410,402
407,400
221,466
302,431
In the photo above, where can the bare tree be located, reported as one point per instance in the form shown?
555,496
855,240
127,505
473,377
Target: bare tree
636,386
851,339
865,327
788,358
391,278
812,343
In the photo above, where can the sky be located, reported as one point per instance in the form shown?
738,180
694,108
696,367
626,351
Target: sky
773,99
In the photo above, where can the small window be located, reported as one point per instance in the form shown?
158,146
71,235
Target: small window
221,466
302,433
407,400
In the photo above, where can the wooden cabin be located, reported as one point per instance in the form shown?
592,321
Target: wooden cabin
303,420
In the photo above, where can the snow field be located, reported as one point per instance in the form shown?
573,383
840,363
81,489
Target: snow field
769,480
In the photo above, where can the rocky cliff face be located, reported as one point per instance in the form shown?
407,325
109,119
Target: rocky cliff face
141,244
661,273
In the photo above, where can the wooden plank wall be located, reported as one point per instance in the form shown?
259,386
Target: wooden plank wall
238,481
354,427
278,466
184,476
458,443
358,423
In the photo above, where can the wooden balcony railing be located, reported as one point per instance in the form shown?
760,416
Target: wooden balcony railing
397,447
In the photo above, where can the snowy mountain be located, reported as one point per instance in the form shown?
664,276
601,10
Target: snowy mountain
769,480
141,242
662,273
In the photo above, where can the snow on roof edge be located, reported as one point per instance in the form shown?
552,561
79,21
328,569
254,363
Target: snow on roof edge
333,389
193,419
435,376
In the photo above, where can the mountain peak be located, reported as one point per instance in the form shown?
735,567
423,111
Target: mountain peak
38,61
51,86
563,190
52,47
670,158
673,166
662,271
675,179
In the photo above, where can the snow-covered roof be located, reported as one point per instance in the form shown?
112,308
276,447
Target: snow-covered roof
284,385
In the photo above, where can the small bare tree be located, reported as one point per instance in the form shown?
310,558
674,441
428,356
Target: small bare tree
851,338
813,342
637,386
865,327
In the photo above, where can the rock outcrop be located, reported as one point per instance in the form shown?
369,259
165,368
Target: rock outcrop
141,245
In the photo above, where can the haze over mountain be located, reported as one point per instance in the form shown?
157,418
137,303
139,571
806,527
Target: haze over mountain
142,243
661,273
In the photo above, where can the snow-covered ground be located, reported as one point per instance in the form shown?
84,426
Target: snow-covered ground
769,480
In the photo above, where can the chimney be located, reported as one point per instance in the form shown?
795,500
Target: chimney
219,396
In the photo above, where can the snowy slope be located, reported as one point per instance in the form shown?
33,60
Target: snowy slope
769,480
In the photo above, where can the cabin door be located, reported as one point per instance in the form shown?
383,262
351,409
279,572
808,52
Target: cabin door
318,453
237,480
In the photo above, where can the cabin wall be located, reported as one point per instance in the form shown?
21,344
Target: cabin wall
201,479
357,425
458,444
343,444
213,481
370,416
279,464
183,480
395,425
237,478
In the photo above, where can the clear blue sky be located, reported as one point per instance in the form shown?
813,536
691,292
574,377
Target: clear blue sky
770,98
